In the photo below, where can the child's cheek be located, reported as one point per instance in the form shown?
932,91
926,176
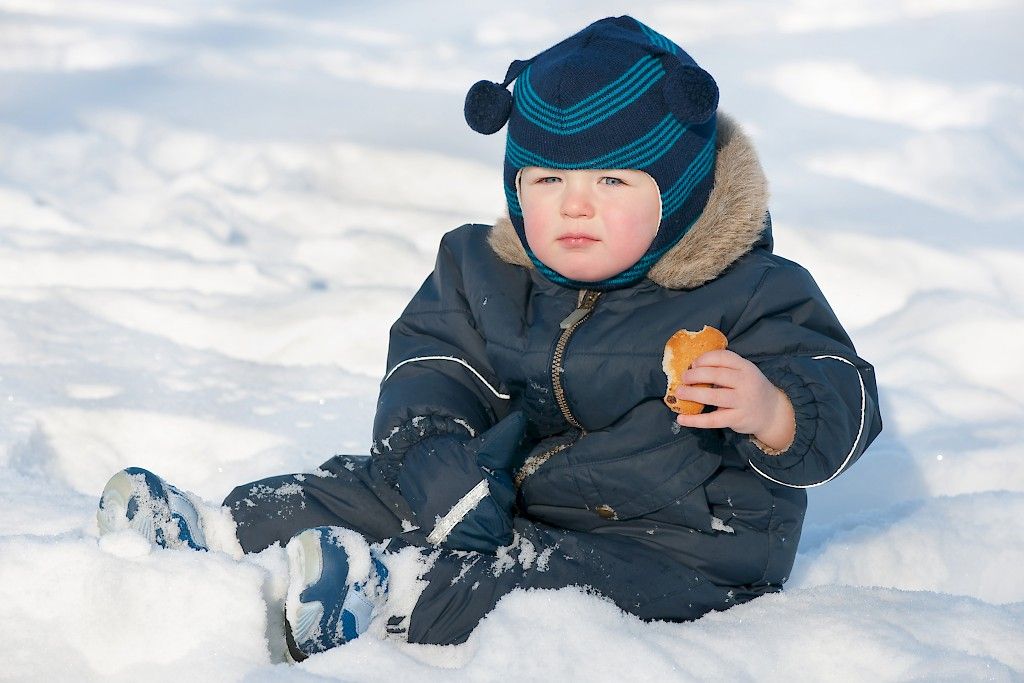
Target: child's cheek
538,223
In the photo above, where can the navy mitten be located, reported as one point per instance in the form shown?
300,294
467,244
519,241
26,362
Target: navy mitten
461,491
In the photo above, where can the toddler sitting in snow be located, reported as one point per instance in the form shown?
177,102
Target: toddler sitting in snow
520,438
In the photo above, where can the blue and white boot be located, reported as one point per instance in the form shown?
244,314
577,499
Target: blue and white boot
135,498
335,583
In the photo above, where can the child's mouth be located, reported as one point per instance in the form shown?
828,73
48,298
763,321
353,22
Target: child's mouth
576,240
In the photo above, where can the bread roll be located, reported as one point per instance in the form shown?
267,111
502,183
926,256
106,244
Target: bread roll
681,350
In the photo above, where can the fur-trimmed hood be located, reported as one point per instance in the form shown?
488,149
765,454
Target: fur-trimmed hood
728,228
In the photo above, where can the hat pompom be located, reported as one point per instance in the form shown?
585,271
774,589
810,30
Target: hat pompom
690,92
488,106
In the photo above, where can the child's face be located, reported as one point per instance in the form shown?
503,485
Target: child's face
589,225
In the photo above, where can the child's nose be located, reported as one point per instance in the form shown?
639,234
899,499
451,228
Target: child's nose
577,202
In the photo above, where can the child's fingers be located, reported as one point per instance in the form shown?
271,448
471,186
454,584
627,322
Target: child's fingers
722,358
711,396
714,420
723,377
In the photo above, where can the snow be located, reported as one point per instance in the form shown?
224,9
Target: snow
211,212
73,609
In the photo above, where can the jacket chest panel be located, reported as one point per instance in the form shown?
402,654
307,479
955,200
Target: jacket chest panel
611,361
614,361
521,333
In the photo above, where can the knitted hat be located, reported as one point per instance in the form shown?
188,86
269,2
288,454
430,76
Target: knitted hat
615,95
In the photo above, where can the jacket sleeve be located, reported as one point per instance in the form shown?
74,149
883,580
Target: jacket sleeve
790,332
439,380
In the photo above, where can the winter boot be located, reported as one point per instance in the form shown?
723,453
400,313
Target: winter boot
335,582
135,498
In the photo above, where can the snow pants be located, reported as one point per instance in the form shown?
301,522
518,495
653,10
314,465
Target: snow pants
462,587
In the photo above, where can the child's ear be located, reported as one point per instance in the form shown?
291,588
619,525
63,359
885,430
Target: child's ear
690,92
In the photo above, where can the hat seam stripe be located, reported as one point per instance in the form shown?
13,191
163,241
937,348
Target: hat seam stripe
579,124
632,158
638,69
696,166
637,154
657,145
583,121
556,121
680,203
658,39
673,205
671,208
642,66
695,172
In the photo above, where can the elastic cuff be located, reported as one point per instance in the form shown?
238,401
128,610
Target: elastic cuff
805,412
409,433
768,450
387,453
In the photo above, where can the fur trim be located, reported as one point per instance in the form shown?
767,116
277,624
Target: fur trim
505,243
728,228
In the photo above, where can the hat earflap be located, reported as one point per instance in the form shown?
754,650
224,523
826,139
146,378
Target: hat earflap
689,91
489,104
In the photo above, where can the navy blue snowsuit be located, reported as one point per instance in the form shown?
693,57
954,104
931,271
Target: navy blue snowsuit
667,522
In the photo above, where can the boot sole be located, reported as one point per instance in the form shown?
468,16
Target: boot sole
305,567
113,511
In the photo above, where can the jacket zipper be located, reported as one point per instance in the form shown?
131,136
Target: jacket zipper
584,307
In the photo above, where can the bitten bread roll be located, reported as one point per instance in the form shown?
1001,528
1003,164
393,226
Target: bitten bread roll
681,350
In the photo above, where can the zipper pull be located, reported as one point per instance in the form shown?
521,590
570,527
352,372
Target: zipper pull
573,318
585,305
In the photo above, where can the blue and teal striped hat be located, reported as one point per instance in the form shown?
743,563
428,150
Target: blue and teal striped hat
615,95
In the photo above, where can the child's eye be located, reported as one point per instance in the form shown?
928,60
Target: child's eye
549,180
610,180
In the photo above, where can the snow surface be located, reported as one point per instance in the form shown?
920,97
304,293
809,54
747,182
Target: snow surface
211,212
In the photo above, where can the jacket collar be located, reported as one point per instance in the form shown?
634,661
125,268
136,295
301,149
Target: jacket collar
731,224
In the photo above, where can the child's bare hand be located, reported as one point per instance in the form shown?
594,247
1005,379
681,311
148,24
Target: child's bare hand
747,402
